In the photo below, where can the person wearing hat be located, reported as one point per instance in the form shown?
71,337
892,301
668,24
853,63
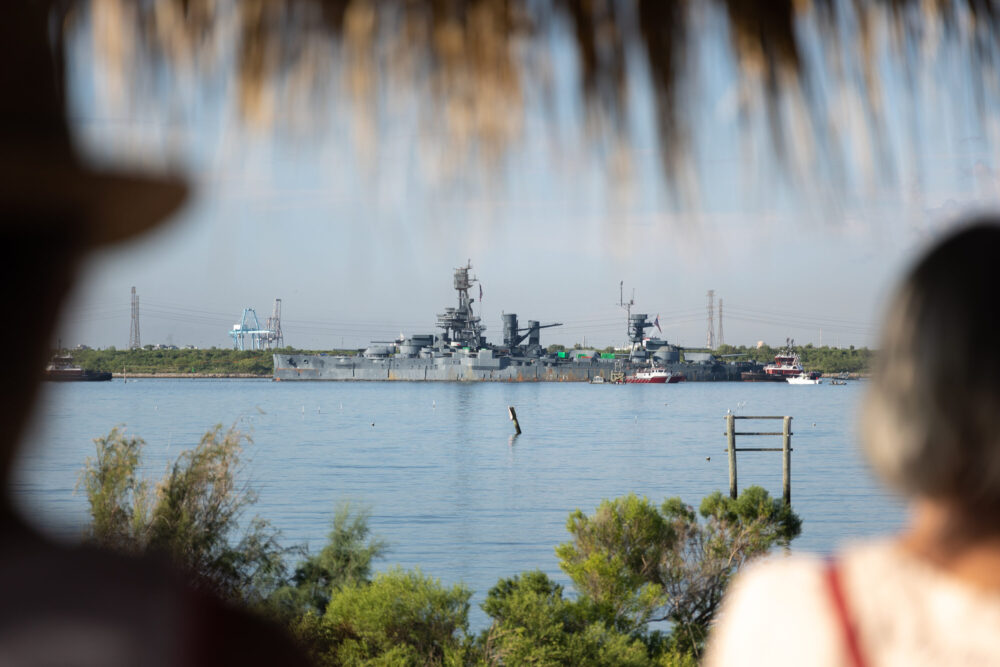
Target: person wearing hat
62,605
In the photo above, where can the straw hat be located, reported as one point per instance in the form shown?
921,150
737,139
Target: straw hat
41,176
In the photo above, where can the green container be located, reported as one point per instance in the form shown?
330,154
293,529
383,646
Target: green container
607,355
562,355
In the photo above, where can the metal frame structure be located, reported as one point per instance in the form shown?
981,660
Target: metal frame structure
785,449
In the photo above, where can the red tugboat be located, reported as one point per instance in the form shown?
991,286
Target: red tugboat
654,375
786,364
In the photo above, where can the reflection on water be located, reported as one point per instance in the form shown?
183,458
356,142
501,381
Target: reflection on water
451,488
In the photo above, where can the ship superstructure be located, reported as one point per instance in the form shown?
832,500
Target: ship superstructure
461,352
462,327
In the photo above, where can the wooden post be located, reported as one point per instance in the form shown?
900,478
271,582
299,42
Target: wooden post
513,418
786,461
731,434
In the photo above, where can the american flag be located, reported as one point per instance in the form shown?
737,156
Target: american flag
656,321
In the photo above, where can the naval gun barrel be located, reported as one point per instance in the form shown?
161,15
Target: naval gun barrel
513,336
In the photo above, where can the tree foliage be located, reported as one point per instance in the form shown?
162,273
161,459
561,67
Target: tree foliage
823,359
644,564
118,497
401,617
633,564
345,560
192,516
214,361
533,624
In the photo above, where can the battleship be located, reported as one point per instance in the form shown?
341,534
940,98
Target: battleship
460,352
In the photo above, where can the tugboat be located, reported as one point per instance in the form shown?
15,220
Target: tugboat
62,369
654,375
786,365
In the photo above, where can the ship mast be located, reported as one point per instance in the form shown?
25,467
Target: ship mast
462,327
627,306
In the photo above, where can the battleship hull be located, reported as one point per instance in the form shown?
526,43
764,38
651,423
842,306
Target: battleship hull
481,368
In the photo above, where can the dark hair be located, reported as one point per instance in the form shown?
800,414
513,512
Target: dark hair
931,424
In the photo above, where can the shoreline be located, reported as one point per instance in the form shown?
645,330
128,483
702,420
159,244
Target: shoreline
167,375
251,376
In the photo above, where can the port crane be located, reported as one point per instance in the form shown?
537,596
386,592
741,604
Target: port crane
249,332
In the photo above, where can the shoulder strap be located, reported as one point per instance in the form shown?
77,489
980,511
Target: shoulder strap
848,632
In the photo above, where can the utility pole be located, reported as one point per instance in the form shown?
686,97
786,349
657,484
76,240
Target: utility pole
710,342
627,305
722,339
134,343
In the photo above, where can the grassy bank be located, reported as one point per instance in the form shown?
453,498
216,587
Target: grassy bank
184,363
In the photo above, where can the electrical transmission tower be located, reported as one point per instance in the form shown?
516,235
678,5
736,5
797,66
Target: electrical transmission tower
722,339
627,305
133,337
710,342
273,325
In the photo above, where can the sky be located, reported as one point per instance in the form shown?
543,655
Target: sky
360,245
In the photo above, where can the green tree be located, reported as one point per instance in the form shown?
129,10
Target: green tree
345,560
533,624
644,564
400,618
193,517
118,497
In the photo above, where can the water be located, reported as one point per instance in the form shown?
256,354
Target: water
448,486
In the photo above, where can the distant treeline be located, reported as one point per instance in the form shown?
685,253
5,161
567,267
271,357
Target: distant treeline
214,361
822,359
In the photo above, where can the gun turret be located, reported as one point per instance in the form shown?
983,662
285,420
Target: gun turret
513,336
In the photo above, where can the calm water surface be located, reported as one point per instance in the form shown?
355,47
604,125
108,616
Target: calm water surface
449,488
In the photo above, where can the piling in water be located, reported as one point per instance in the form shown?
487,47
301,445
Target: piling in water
513,418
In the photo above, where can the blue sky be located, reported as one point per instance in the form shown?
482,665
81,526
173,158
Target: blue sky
361,244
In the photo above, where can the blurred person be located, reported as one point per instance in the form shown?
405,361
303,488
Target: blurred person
63,605
931,429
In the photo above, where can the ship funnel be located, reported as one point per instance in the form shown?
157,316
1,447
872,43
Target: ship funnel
534,332
510,338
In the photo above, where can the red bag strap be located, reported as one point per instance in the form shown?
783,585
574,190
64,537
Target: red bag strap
849,633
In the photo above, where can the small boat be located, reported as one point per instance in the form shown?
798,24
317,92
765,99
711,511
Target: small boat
654,375
597,379
802,379
62,369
